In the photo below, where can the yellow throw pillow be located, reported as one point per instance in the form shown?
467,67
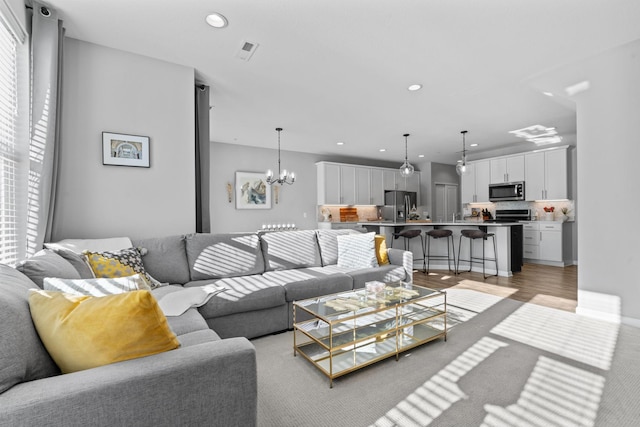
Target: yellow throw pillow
381,250
82,332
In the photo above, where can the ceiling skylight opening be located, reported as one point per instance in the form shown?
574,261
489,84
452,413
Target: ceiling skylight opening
216,20
535,131
414,87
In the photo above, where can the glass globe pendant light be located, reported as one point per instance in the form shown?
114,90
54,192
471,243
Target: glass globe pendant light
407,169
461,167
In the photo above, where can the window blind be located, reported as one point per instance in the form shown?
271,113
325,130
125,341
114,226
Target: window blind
9,152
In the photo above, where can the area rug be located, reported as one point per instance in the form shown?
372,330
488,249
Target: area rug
505,363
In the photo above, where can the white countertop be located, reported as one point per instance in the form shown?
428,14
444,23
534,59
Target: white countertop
448,224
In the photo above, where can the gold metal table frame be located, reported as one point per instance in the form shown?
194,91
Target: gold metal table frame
346,331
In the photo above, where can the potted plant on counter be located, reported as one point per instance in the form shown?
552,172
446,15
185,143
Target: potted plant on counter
548,213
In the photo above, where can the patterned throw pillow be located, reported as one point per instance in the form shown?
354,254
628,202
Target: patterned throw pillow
122,263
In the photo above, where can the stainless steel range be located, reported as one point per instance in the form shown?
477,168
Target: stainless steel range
511,215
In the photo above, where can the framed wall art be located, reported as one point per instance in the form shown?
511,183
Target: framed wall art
125,150
252,191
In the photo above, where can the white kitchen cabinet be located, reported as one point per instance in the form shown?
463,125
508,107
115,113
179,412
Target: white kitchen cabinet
377,186
507,169
347,185
546,175
363,186
343,184
475,184
328,183
547,243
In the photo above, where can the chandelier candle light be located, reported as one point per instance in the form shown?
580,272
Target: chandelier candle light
461,167
406,170
284,177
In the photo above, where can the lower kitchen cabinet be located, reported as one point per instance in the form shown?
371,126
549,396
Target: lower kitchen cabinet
547,243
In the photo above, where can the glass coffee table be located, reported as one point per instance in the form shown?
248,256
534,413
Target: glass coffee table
346,331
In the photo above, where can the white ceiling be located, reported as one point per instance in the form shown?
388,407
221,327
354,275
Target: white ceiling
337,70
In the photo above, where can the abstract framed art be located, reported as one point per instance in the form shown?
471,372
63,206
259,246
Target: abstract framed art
252,191
125,150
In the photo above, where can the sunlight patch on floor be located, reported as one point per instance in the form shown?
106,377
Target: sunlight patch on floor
437,395
579,338
556,394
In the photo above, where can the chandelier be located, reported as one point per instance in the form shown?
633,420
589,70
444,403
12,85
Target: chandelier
461,167
406,170
284,177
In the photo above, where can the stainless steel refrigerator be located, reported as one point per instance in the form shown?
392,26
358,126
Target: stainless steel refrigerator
398,204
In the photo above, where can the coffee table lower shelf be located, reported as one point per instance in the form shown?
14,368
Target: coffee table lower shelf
337,362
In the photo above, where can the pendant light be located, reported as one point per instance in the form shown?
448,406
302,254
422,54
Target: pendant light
461,167
284,177
406,170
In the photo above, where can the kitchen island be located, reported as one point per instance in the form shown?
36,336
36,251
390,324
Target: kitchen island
508,237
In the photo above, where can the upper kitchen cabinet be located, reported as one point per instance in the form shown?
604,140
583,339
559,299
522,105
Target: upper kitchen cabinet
546,174
363,186
348,185
507,169
329,183
377,177
475,184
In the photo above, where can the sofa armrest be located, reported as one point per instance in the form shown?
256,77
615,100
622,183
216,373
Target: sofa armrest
403,258
213,383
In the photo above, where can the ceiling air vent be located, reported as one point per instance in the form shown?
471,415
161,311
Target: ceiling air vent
246,50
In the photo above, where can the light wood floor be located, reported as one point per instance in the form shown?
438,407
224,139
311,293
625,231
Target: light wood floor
554,287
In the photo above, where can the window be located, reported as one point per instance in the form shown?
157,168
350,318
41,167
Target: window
14,146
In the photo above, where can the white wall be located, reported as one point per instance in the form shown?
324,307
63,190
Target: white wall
111,90
295,200
608,155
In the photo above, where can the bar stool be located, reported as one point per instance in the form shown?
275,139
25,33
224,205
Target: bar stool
438,234
408,235
473,235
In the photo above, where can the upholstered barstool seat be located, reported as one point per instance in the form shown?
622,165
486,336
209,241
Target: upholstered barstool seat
474,235
408,235
439,233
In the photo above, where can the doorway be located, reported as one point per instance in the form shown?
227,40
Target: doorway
446,203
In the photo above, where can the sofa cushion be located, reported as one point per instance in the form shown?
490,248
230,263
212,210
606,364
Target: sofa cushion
217,256
47,263
381,249
97,287
305,283
328,242
245,293
384,273
22,355
83,332
357,251
166,258
284,250
186,323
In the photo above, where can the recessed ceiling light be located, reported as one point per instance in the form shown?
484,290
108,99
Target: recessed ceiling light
382,150
217,20
415,87
475,144
340,143
421,155
547,93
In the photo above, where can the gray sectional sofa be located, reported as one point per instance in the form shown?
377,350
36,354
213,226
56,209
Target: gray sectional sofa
211,379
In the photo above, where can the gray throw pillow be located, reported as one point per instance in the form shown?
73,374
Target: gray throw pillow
78,261
47,263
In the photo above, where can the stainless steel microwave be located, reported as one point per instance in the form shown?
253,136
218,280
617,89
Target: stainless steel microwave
506,191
